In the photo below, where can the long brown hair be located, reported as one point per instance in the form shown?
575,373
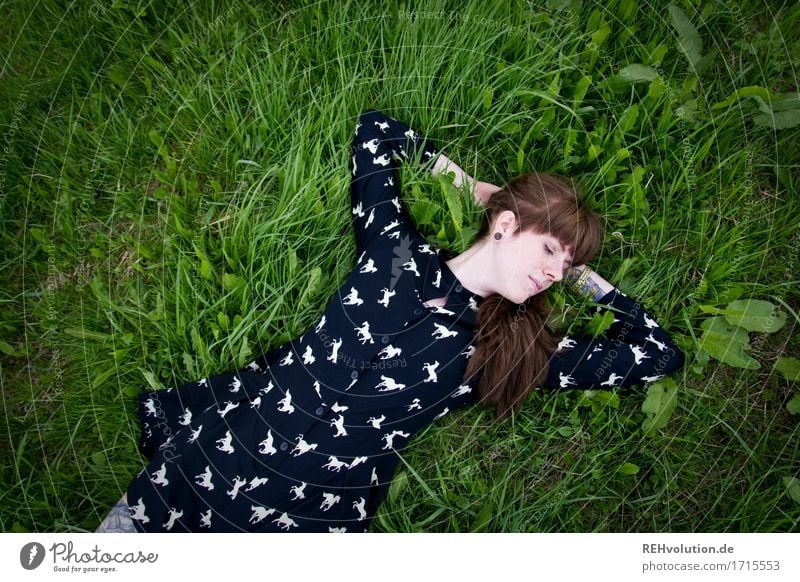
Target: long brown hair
512,342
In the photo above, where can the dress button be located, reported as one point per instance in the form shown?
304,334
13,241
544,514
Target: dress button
320,410
417,311
385,339
459,288
284,446
354,374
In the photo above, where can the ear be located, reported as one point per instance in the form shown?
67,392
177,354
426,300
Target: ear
506,221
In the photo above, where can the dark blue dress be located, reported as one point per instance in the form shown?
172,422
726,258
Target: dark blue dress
306,438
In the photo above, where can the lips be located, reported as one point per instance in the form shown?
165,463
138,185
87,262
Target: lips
534,284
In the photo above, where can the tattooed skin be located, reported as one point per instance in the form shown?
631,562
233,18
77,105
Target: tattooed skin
591,288
119,519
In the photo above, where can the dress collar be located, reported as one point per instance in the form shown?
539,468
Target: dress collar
459,298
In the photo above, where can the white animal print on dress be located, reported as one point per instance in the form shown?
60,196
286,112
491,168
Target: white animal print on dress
390,226
265,446
224,444
442,331
237,484
308,356
316,389
137,512
202,382
285,403
195,434
638,353
260,513
661,346
389,352
297,491
255,403
430,367
235,385
469,351
228,407
173,515
414,404
438,278
370,218
651,323
149,407
302,446
386,296
411,265
339,424
363,333
337,343
167,443
566,380
566,343
285,522
376,422
320,325
442,413
371,145
160,476
358,262
388,384
373,479
382,125
473,305
356,461
355,166
336,529
288,360
329,500
369,267
204,479
205,519
336,408
256,482
652,378
359,506
334,464
611,380
389,438
267,388
425,248
597,348
461,390
186,418
442,310
254,367
352,298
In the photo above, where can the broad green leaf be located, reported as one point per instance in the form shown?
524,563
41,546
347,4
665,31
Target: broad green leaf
223,320
636,73
599,323
150,378
689,40
727,343
453,199
566,431
628,119
245,353
660,403
232,282
397,485
790,367
292,262
99,459
750,91
86,334
628,469
793,406
754,315
778,120
792,485
488,97
601,34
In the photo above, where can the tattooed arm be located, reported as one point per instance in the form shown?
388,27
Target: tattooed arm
594,287
119,519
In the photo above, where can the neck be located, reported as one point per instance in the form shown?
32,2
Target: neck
473,268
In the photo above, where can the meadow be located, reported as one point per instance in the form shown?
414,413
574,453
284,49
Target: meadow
174,195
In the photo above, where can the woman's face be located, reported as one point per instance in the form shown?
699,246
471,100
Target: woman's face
528,263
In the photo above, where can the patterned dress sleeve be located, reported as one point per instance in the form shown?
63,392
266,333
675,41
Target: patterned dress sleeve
376,204
635,349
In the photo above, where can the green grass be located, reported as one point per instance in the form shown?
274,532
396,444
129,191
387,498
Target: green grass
175,190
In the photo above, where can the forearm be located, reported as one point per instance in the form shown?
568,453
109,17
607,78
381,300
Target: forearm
443,165
594,286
